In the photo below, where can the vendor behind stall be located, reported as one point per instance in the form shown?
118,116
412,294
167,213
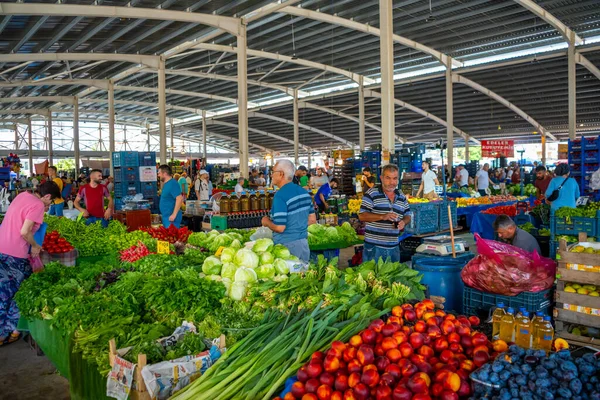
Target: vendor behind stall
542,181
93,195
386,212
508,232
323,194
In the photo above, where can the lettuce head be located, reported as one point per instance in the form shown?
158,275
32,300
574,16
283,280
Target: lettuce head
246,258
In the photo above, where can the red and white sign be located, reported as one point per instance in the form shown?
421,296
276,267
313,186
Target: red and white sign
497,148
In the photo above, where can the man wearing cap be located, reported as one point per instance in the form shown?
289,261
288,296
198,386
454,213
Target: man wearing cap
464,176
300,172
203,186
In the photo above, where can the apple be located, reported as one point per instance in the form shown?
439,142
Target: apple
416,340
401,393
312,385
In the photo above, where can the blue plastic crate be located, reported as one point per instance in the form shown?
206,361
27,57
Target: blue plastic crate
126,174
147,159
553,249
148,189
590,142
123,189
444,222
574,225
328,254
125,159
424,219
477,302
119,204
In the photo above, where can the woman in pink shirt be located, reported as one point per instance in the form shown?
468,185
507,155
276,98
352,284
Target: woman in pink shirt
22,220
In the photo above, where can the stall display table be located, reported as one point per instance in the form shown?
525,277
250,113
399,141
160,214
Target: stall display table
470,211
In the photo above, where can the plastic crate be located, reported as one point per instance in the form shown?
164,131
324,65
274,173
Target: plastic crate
119,204
553,249
147,159
475,301
126,174
328,254
410,244
123,189
148,189
444,222
125,159
424,219
574,225
218,222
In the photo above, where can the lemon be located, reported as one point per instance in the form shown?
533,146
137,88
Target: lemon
591,288
594,294
569,289
576,331
577,249
589,250
576,285
582,291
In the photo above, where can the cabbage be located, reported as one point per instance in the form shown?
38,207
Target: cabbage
227,254
244,274
280,251
246,258
212,266
280,278
235,244
332,234
213,233
266,271
227,284
228,270
238,290
214,277
281,266
262,245
266,258
316,229
235,235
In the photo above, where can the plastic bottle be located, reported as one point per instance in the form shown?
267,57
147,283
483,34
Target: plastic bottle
535,324
523,330
545,335
244,202
496,319
507,326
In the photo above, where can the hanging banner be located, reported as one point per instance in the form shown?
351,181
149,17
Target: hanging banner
497,148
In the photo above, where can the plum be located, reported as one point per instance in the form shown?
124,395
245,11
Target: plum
487,368
514,349
570,375
543,383
484,376
553,357
521,380
576,386
497,366
589,388
564,354
564,392
512,383
532,376
549,364
539,353
526,397
587,368
515,370
514,392
584,377
504,375
529,352
594,379
595,395
547,395
494,378
568,366
531,385
541,372
554,381
589,358
526,368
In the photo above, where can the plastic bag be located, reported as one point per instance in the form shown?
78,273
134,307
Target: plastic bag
507,270
262,233
595,180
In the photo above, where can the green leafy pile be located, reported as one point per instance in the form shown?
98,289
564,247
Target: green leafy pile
331,236
213,240
128,239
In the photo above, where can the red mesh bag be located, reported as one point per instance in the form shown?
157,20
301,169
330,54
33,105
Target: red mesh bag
507,270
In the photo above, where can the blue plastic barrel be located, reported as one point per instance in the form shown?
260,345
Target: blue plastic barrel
442,275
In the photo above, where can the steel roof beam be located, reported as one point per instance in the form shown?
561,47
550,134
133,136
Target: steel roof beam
258,131
229,24
580,59
150,61
564,30
181,93
36,111
346,23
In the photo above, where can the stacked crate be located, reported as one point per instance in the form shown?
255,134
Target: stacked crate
4,176
574,309
584,160
126,173
344,174
571,226
372,159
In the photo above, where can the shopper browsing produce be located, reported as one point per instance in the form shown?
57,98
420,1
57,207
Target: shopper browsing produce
59,204
482,180
239,188
428,182
368,180
323,194
252,179
508,232
22,220
320,179
299,174
291,213
542,181
562,191
386,212
463,175
183,184
170,198
203,186
93,195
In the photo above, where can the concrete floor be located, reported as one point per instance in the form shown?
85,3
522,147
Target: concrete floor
26,376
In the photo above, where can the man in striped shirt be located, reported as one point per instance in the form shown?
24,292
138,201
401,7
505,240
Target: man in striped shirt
291,213
386,212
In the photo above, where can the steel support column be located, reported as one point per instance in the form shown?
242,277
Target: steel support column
148,133
49,137
309,160
162,111
296,130
467,157
572,75
449,116
172,131
361,114
242,72
30,145
543,135
204,136
76,133
387,75
111,122
16,129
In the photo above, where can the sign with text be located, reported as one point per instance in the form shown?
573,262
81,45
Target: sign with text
163,247
147,174
497,148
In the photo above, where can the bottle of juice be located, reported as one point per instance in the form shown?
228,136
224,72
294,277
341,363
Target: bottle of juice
545,335
507,325
523,330
535,324
496,319
244,202
520,312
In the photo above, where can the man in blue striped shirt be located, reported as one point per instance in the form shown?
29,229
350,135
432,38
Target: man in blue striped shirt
386,212
291,213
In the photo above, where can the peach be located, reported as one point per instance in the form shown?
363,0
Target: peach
428,303
447,327
393,355
371,378
480,358
426,351
353,379
355,341
440,345
500,346
406,349
420,327
397,311
324,392
341,383
365,356
389,343
416,340
434,332
410,315
452,382
419,383
409,370
446,356
368,336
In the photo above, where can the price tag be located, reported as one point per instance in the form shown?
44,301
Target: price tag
163,247
219,251
582,201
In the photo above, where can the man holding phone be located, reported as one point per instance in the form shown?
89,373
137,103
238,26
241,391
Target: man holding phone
386,212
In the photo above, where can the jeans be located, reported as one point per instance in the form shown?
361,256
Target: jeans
482,192
299,248
90,220
57,209
177,222
13,271
374,252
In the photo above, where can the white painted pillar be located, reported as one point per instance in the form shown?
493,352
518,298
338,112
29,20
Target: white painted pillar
467,158
76,133
242,72
111,123
572,78
172,131
16,129
296,130
204,135
30,145
387,75
543,149
361,114
49,137
309,159
449,116
162,111
148,135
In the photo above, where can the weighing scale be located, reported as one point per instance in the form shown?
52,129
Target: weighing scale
440,246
